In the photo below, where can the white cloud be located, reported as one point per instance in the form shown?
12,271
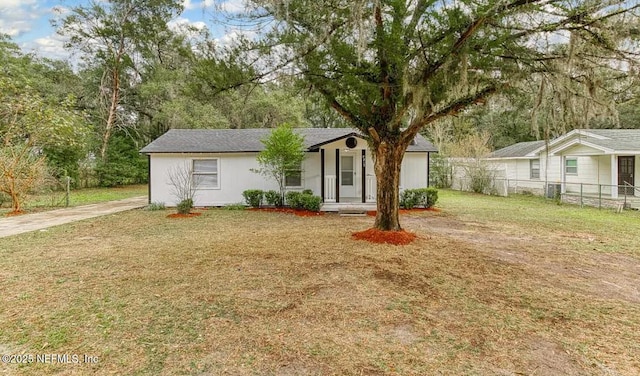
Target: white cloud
8,4
51,47
188,5
18,17
232,6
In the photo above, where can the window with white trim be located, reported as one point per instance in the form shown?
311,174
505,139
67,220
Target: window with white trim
206,173
534,169
571,166
293,177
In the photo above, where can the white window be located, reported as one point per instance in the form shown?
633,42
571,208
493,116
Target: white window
571,166
293,178
206,173
534,165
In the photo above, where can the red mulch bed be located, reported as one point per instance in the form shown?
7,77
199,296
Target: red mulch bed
385,237
372,213
298,212
178,215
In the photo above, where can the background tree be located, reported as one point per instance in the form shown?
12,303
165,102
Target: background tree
283,152
115,36
28,125
391,67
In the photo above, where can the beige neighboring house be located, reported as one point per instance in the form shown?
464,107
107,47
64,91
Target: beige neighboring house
587,163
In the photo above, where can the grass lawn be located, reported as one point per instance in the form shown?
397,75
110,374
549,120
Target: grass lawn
493,286
56,200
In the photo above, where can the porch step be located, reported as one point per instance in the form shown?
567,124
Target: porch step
352,212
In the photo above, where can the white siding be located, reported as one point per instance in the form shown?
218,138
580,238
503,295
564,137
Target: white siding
235,175
413,173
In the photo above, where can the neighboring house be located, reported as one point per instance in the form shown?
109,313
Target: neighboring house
337,167
602,162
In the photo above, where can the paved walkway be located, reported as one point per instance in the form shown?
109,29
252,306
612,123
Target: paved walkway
37,221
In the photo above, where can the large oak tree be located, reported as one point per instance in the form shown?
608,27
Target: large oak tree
391,67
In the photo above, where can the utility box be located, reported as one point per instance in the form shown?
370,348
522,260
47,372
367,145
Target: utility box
554,190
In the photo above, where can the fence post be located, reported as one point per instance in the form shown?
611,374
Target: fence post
599,196
68,191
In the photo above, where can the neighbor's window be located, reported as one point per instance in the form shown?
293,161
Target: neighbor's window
571,166
534,165
293,178
206,173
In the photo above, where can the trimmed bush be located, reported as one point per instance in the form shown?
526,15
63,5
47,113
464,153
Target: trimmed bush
407,199
425,197
421,197
307,192
293,199
311,202
185,206
238,206
156,206
253,197
273,198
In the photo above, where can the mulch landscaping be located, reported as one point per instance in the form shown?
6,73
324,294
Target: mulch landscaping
373,235
179,215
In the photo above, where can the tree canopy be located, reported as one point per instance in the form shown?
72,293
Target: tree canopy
392,67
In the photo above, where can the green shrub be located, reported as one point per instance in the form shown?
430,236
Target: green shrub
407,199
273,198
253,197
307,192
156,206
185,206
293,199
238,206
311,202
425,197
420,197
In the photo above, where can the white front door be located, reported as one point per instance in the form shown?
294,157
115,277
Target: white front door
347,176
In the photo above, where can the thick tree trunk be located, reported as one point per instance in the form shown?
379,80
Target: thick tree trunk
387,163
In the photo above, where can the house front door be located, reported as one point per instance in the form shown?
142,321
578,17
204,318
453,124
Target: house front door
626,167
347,176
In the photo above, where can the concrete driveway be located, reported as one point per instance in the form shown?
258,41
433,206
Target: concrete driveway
38,221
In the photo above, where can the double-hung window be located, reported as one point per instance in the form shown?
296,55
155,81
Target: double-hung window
206,173
534,168
293,177
571,166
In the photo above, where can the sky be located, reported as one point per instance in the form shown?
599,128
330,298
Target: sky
27,22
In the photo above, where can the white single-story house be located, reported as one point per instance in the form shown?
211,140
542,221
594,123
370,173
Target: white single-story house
338,166
595,162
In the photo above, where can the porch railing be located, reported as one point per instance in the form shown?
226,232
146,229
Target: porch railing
371,188
330,188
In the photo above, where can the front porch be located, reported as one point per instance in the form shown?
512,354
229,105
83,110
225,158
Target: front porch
348,206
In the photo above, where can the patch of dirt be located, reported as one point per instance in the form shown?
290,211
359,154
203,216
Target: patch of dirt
404,334
546,358
389,237
179,215
298,212
609,276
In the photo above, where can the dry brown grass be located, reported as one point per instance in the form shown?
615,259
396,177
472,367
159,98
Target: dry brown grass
250,293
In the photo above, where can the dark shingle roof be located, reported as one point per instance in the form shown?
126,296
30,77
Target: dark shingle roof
616,139
521,149
248,140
